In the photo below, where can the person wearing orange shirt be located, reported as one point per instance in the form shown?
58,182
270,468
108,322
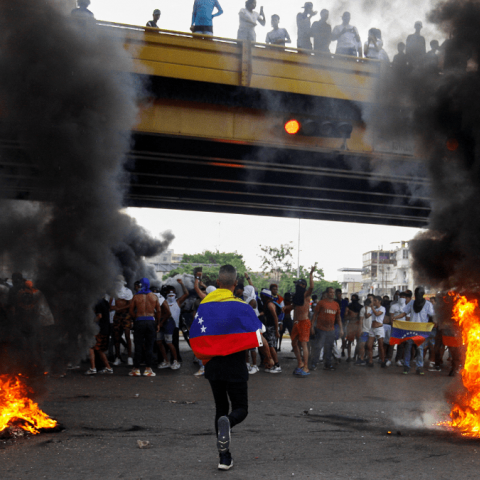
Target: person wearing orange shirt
327,313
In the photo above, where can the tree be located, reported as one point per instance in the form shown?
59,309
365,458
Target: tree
277,261
210,273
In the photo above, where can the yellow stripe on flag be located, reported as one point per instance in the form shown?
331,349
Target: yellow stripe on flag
414,326
221,295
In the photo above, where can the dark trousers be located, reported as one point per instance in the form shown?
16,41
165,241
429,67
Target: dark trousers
325,340
175,342
237,392
144,333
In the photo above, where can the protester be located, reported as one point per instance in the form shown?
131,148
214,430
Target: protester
301,330
102,317
365,324
287,320
202,16
145,309
352,317
326,315
303,26
415,47
122,322
347,38
431,58
419,311
156,17
400,63
270,315
373,47
249,297
225,367
321,32
278,36
376,331
248,21
343,303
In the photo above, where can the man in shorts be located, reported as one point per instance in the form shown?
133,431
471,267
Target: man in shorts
102,317
327,313
270,314
301,330
376,331
364,329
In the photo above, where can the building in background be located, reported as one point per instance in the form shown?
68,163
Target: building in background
351,280
378,272
403,274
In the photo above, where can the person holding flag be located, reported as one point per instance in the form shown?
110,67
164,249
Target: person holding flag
417,330
223,329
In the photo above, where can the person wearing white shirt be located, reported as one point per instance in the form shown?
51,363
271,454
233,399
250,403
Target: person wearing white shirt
419,311
378,315
248,21
347,38
365,325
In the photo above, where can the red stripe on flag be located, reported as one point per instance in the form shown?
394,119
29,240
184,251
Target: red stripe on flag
451,341
206,347
417,339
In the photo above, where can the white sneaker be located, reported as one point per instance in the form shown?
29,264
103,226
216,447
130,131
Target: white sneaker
253,369
91,371
388,363
248,366
400,363
200,372
432,365
164,364
117,362
175,365
130,361
276,369
149,372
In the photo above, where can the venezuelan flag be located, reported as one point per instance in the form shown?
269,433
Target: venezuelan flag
416,331
224,325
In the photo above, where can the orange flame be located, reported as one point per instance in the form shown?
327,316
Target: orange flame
17,409
465,413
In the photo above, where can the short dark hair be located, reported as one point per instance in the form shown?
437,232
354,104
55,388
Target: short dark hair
338,290
314,297
328,288
378,297
355,296
272,285
275,16
227,275
408,293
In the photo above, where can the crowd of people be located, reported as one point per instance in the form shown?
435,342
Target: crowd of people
317,36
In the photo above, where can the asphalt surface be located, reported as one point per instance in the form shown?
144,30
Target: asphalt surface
331,425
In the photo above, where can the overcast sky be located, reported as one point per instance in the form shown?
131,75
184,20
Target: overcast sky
394,17
332,244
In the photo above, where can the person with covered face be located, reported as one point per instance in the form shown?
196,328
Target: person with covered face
420,310
270,316
145,309
175,304
248,21
304,26
122,322
347,38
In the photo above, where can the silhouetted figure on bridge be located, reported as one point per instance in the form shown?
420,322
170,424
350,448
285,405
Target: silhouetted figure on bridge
431,58
373,47
415,47
156,17
400,66
248,21
278,36
303,25
82,11
347,38
202,16
321,32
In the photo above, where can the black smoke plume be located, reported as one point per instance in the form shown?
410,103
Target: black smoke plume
69,112
441,110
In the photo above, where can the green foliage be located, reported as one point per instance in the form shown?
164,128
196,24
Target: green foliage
210,274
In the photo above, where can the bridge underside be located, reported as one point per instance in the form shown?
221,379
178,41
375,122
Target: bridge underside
204,175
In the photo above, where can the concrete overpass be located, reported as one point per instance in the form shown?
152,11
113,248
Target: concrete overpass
212,137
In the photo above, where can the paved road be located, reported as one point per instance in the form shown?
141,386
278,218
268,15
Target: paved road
332,425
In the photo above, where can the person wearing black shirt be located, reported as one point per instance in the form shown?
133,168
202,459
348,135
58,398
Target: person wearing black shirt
156,17
352,313
102,317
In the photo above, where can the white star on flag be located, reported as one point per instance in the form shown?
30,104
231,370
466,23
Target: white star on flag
204,329
200,321
196,315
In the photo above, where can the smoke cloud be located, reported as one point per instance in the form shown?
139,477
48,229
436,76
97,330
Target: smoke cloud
72,115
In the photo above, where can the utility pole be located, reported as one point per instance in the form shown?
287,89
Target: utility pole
298,258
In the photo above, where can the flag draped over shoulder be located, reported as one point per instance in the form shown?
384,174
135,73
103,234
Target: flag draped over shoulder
416,331
224,325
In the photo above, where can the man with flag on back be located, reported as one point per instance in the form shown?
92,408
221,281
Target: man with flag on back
417,330
223,328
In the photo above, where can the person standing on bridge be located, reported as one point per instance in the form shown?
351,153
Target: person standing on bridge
278,36
248,21
347,38
202,16
82,11
321,32
156,17
304,27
